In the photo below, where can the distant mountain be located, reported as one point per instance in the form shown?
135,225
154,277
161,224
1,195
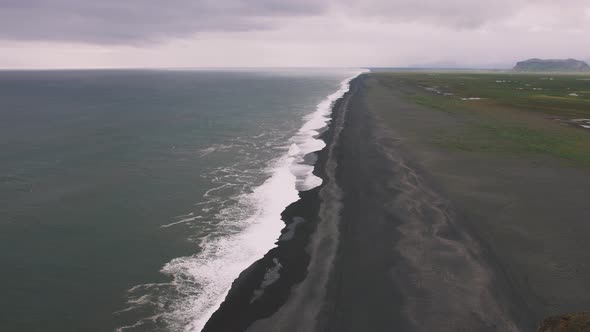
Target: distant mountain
452,64
552,65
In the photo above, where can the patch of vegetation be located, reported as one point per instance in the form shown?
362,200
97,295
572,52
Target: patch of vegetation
443,105
504,113
555,95
517,140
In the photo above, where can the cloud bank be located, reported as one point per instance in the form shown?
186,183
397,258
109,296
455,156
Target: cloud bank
205,33
132,21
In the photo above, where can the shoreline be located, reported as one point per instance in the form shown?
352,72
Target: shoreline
374,248
406,234
264,287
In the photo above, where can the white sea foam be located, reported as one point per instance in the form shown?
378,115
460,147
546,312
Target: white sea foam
205,278
221,261
214,148
306,140
207,151
181,221
185,215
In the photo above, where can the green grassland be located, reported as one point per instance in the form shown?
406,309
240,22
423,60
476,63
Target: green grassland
514,114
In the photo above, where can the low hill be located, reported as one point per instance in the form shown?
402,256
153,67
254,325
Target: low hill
552,65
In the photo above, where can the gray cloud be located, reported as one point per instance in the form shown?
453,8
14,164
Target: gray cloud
465,14
146,21
448,13
124,21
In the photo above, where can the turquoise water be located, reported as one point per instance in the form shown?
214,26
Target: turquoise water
117,188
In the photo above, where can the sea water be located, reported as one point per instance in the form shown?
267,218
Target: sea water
131,199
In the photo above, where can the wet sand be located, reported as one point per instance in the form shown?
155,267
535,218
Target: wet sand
405,236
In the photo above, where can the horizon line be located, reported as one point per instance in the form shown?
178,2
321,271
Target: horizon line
418,67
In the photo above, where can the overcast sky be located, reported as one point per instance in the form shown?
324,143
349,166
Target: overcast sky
268,33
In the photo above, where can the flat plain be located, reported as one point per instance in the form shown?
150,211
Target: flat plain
511,153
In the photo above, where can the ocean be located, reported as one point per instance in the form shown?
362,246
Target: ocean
131,199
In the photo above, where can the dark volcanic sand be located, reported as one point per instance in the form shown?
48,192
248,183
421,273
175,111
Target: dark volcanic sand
247,301
383,244
403,263
380,251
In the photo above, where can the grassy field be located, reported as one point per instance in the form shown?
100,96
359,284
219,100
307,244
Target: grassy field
506,113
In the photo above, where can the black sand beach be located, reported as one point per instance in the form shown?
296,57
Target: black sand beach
405,235
305,242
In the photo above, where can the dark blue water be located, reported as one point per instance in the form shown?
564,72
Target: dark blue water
117,188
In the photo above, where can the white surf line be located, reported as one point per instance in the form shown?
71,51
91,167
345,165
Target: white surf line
223,260
307,297
182,221
185,215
